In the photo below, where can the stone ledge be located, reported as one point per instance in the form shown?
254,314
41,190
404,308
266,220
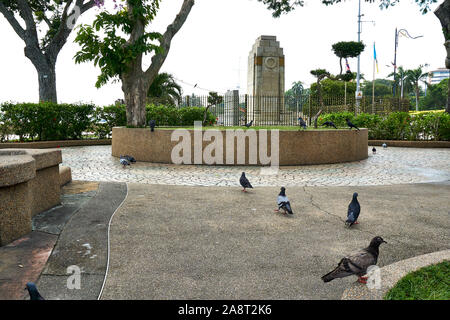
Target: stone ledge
15,169
391,274
65,175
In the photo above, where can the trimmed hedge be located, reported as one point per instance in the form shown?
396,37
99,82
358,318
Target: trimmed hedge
397,125
50,121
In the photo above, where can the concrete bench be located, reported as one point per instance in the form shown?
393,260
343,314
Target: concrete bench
29,184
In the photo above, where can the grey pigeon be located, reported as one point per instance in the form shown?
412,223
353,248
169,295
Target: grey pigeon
357,263
130,158
244,182
33,291
353,211
350,124
302,122
374,151
384,145
152,124
248,125
283,202
329,124
124,161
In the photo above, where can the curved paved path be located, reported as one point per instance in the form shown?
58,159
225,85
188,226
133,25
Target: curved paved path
389,166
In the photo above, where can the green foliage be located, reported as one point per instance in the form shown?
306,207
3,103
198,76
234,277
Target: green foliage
383,88
165,90
105,118
47,121
333,88
429,283
111,52
436,96
171,116
396,125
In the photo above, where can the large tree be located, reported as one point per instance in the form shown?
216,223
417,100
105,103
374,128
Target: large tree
442,13
347,49
57,17
120,57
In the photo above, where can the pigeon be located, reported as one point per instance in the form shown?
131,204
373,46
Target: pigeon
248,125
353,211
329,124
374,150
244,182
130,158
384,145
351,125
124,161
33,291
302,122
152,124
283,202
357,263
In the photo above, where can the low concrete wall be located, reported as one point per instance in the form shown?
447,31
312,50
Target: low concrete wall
29,184
295,147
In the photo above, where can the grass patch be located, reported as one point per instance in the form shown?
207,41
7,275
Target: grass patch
429,283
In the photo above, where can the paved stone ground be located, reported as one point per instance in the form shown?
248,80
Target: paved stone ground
183,242
389,166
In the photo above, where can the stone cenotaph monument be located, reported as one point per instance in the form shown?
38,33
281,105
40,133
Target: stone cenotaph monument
265,82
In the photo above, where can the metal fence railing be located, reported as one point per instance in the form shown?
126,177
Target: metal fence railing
236,110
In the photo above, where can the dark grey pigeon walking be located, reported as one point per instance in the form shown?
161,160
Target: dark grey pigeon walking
152,124
353,211
248,125
357,263
124,161
302,122
283,202
329,124
374,151
244,182
33,291
350,124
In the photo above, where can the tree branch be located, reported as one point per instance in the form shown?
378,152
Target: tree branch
9,15
159,58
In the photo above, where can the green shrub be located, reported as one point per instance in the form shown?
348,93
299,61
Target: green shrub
338,118
105,118
47,121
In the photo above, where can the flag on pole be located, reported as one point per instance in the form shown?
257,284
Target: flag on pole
375,56
347,65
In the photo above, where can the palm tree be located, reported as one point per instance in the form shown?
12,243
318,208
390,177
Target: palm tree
401,80
414,77
164,90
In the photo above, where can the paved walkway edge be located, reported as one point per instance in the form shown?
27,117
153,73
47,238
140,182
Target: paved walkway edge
391,274
83,244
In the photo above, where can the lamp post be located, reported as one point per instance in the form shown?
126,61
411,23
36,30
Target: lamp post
406,34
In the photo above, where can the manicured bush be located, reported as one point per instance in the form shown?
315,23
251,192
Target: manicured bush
47,121
397,125
105,118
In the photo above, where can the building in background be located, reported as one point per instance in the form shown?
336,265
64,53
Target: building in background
438,75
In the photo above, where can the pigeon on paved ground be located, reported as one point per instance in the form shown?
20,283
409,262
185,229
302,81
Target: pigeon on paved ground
351,125
353,211
357,263
302,122
33,291
130,158
283,202
329,124
384,145
248,125
244,182
374,150
152,124
124,161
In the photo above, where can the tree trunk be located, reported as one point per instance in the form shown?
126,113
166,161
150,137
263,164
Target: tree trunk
47,84
135,91
443,14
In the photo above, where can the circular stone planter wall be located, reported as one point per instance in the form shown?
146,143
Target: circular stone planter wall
295,147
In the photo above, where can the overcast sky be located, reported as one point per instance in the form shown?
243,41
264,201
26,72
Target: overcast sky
211,50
